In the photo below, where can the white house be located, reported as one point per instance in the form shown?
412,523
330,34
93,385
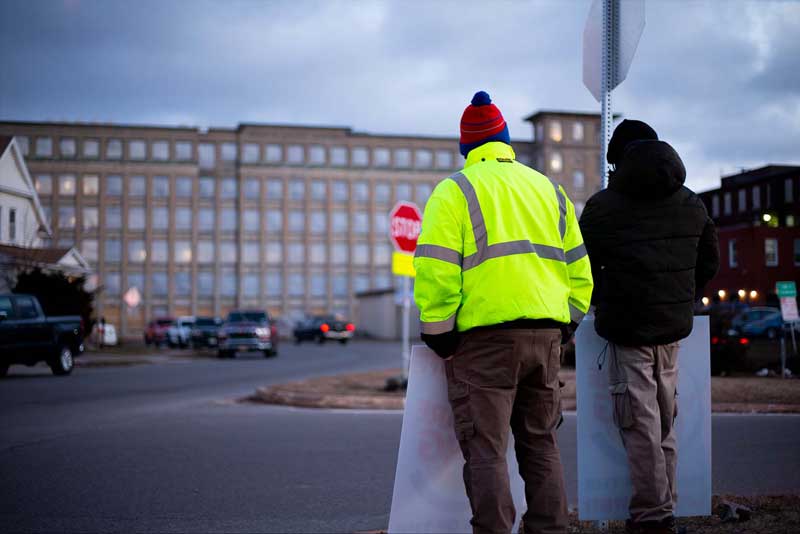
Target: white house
23,225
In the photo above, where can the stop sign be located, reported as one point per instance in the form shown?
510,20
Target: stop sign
405,223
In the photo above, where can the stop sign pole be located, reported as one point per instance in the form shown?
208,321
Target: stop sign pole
405,224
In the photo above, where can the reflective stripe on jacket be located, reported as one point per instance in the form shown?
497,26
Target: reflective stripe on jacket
499,242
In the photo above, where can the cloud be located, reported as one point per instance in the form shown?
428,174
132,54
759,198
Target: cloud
720,81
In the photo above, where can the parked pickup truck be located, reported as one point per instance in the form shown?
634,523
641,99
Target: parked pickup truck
28,337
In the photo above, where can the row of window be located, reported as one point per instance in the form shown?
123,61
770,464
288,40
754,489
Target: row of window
250,253
228,188
253,285
555,130
755,199
771,256
184,219
253,153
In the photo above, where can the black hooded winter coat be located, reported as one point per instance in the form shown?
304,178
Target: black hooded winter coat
652,247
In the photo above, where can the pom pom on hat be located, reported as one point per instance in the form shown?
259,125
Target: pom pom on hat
481,123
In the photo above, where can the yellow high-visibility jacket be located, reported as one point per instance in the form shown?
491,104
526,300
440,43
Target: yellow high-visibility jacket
499,242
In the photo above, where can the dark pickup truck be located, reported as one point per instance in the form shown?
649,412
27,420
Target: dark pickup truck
28,337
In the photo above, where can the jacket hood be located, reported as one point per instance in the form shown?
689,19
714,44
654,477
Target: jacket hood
649,169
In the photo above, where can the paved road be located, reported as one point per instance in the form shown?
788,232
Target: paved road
162,448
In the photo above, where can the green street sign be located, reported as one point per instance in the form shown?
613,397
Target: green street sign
786,289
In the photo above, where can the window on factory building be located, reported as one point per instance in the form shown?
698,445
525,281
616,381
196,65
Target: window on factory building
159,150
556,162
360,191
159,284
89,249
444,159
295,154
360,282
205,284
316,155
339,191
577,131
228,283
137,186
274,189
423,159
360,255
339,223
380,157
137,253
273,282
319,285
183,218
402,191
228,188
274,252
402,158
91,148
228,220
728,199
361,222
89,219
67,147
66,217
274,221
788,191
339,285
296,284
339,253
381,254
159,251
715,206
183,283
297,189
381,222
756,197
250,285
383,193
742,200
113,250
137,149
113,186
250,252
422,192
206,187
183,151
206,155
359,156
578,180
228,151
183,187
273,153
297,222
136,280
319,190
250,153
160,187
113,218
338,156
251,220
111,283
205,251
206,219
555,131
771,252
44,184
317,253
733,257
228,252
317,223
136,218
44,147
159,218
24,143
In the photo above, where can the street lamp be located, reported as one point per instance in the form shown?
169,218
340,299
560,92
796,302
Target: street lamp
766,217
753,294
722,294
742,293
705,301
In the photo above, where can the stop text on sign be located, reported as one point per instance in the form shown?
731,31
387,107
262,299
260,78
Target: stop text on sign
403,228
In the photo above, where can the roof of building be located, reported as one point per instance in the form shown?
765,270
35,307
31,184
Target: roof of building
45,255
563,113
751,176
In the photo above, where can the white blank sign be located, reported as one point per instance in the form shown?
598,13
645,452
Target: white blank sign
429,493
604,486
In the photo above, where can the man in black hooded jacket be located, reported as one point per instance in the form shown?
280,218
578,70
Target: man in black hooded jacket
652,248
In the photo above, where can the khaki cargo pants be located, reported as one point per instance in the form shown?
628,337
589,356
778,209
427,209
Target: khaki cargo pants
643,383
509,378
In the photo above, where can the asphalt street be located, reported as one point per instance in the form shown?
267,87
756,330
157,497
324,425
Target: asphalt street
164,448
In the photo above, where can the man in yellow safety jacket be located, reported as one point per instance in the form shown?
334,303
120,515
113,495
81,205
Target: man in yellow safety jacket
502,274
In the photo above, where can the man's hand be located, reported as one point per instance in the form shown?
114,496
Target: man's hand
444,345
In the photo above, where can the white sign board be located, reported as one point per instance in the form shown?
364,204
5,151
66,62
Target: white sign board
429,493
631,26
604,486
789,309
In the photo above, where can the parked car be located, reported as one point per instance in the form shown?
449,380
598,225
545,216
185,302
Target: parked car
760,321
205,332
179,334
28,337
248,330
321,328
156,331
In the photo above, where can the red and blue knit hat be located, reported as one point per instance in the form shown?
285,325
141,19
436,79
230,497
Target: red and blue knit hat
482,122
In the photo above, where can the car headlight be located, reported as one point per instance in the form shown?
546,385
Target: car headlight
262,332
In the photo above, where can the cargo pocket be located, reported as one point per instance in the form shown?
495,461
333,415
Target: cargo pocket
623,411
458,395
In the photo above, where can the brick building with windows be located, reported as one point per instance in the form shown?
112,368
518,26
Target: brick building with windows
288,218
757,214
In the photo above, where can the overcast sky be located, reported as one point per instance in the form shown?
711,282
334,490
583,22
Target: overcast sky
720,80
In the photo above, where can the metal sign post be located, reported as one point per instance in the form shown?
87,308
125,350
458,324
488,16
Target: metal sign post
608,69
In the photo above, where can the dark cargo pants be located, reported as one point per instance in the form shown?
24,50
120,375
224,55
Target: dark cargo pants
509,378
643,384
